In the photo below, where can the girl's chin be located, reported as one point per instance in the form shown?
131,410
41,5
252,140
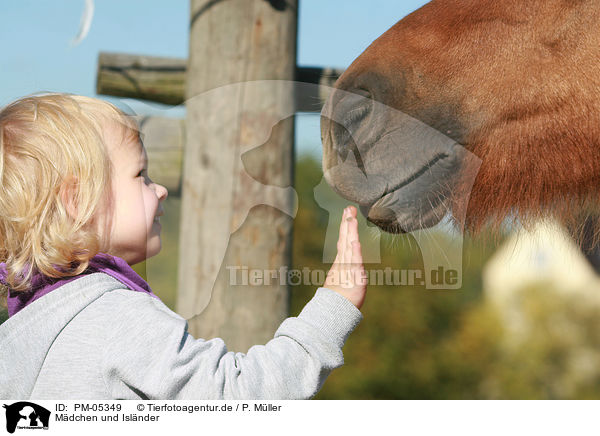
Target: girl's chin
153,247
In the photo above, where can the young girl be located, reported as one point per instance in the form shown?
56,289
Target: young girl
77,208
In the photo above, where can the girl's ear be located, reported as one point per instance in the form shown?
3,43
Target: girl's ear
68,195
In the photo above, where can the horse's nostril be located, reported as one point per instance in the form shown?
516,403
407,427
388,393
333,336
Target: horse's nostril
352,107
348,116
342,138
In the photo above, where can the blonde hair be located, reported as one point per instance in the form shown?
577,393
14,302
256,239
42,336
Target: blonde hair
49,142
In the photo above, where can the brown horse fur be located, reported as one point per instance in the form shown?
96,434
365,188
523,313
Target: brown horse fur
517,82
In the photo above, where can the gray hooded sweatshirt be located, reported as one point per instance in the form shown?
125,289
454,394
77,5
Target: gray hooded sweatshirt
94,339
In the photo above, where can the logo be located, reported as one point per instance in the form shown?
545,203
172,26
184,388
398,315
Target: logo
26,415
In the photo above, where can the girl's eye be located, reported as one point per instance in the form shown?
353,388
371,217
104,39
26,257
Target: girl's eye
144,174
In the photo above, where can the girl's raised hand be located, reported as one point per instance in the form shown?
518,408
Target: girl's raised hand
347,274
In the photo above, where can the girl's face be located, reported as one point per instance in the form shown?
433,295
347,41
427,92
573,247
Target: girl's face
136,202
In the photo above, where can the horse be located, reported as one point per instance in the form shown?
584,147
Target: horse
514,83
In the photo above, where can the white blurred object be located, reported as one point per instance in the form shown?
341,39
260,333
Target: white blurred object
86,22
546,254
547,296
545,257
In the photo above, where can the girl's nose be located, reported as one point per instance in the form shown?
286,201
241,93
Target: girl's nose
162,192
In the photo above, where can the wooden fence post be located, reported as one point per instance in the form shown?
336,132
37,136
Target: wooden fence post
230,42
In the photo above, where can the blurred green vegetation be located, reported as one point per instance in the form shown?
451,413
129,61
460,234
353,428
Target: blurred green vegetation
416,343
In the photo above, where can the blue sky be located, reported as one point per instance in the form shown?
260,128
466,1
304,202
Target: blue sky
37,55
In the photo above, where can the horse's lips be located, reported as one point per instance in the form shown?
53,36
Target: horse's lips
392,215
386,198
387,201
365,210
398,203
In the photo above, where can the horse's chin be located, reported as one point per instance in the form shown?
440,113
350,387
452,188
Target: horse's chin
395,214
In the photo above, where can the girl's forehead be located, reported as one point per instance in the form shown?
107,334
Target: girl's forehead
124,146
118,135
134,149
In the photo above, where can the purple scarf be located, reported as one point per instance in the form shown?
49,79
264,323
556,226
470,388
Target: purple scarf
41,285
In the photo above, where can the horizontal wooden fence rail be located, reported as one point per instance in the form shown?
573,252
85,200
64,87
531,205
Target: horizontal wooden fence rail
162,80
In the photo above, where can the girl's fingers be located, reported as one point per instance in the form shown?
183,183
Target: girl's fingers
343,238
356,253
350,222
352,230
357,263
339,242
348,270
352,235
352,211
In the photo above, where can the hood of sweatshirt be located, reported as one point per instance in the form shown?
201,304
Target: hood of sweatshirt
27,336
102,262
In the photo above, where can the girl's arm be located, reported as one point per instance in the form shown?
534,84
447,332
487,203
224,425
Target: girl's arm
154,357
149,353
